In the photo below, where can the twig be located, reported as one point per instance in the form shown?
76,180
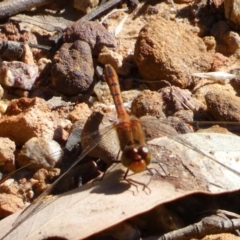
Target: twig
113,11
102,8
12,7
209,225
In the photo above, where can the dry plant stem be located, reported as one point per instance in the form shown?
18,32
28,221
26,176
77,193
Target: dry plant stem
209,225
12,7
17,46
99,10
113,11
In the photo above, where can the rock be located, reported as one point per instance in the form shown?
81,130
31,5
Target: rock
179,125
9,186
18,74
108,56
1,92
26,188
40,153
85,6
26,118
41,178
232,11
72,68
56,102
205,86
80,111
7,157
108,147
4,103
184,115
102,91
27,56
147,103
103,94
223,106
159,52
9,204
228,41
92,33
176,99
210,43
220,62
44,65
215,129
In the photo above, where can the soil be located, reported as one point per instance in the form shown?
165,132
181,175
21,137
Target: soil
54,83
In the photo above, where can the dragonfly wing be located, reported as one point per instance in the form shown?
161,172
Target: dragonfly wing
108,147
159,126
191,170
38,203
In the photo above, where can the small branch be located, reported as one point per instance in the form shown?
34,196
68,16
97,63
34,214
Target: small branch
99,10
12,7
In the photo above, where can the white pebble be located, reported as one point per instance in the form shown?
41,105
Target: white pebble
40,152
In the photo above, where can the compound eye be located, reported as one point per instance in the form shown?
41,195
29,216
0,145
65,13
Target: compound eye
136,159
129,154
145,154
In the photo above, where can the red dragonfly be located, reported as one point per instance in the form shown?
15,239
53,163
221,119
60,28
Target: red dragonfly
135,154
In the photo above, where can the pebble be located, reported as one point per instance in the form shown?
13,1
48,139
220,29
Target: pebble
7,157
92,33
18,74
4,103
159,52
9,204
223,106
232,11
147,103
228,40
176,99
41,153
85,6
108,56
1,92
72,68
26,118
81,111
108,148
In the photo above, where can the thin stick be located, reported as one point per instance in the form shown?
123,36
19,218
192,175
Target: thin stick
12,7
99,10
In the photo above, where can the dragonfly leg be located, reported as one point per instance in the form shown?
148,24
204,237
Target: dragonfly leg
135,183
104,173
99,179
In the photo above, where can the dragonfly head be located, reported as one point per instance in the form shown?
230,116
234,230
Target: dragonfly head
136,158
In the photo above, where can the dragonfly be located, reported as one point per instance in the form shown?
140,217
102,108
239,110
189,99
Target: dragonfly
134,153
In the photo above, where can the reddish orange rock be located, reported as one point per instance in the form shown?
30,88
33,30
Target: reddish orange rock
9,204
161,53
26,118
7,158
80,111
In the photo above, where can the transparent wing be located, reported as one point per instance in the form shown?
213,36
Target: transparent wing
161,127
38,203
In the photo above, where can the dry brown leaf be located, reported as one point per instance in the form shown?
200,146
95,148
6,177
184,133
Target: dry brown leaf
94,207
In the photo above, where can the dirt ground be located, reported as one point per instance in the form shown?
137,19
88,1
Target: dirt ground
52,85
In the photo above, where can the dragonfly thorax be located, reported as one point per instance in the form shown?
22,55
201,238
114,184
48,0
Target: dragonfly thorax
136,158
130,132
